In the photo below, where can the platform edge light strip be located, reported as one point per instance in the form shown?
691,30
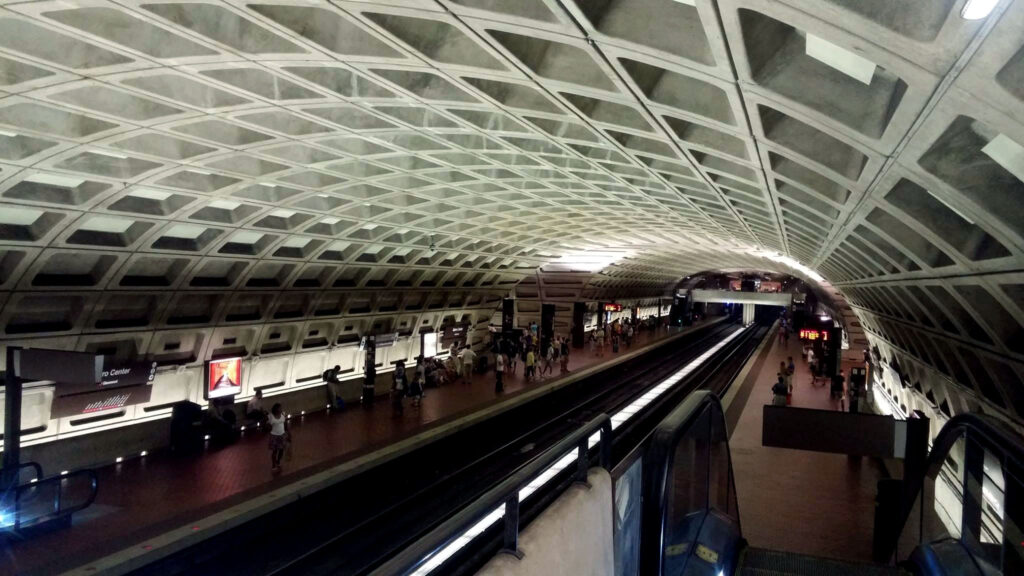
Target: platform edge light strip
564,462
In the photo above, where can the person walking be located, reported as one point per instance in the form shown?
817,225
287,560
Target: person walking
782,334
280,436
467,357
600,343
629,336
531,360
499,373
791,370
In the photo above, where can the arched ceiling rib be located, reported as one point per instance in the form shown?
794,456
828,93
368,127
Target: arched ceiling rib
156,154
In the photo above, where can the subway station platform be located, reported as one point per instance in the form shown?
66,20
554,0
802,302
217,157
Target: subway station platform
141,501
812,503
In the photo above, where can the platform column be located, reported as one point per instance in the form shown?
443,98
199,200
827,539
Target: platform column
579,315
748,313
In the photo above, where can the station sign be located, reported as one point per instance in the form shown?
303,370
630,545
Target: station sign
613,307
100,401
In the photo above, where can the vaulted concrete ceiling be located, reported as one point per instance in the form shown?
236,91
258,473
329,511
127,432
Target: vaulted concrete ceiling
175,164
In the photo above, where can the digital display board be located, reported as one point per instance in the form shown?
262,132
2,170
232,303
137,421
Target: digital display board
613,307
814,335
223,378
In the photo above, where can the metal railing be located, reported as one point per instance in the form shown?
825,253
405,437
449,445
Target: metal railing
505,496
691,441
973,436
32,508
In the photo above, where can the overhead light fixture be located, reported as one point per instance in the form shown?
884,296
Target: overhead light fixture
977,9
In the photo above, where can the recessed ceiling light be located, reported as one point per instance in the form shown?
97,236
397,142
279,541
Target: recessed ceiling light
841,59
1007,153
977,9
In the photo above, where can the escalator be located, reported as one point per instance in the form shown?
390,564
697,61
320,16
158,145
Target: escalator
962,516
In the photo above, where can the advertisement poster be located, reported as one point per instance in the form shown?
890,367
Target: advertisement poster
430,344
223,378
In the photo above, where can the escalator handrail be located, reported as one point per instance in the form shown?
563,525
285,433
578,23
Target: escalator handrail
437,539
59,509
657,463
991,433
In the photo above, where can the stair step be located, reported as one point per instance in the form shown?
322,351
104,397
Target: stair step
761,562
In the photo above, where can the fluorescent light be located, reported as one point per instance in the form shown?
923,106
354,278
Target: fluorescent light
847,62
110,154
947,205
59,180
977,9
1008,154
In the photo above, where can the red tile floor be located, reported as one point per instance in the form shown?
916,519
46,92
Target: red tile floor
794,500
145,497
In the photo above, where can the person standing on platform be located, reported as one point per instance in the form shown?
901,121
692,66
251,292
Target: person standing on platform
280,436
467,357
513,356
499,373
615,342
398,389
564,356
600,343
791,370
779,390
838,385
782,334
629,336
254,409
549,359
416,390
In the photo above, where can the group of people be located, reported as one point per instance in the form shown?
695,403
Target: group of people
782,390
614,333
538,357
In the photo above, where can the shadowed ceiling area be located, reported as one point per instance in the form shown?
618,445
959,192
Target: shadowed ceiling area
174,169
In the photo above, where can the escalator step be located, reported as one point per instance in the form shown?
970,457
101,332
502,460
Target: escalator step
761,562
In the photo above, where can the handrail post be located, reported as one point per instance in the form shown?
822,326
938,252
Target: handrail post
511,541
582,462
606,444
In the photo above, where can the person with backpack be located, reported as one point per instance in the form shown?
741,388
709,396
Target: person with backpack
779,390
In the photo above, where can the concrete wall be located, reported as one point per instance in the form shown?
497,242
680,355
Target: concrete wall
573,536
